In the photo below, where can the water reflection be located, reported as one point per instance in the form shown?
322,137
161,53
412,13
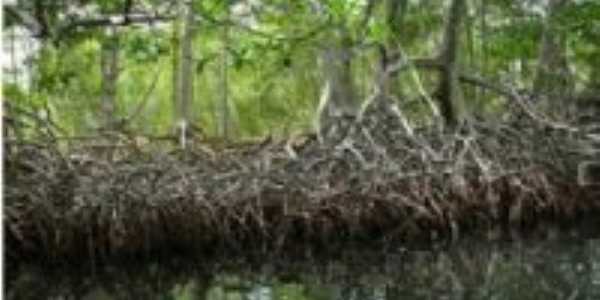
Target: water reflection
556,269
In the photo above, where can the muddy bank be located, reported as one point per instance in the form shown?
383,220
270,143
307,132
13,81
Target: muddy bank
365,179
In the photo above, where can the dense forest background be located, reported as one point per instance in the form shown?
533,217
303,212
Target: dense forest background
246,68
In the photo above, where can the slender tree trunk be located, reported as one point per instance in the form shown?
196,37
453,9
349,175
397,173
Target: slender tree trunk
110,72
449,90
338,94
484,40
183,70
13,58
223,108
176,65
553,78
187,67
335,62
471,92
337,67
395,12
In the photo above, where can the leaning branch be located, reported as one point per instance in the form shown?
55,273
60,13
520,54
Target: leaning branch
434,64
502,90
118,20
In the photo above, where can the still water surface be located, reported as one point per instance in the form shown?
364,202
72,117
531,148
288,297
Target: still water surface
563,267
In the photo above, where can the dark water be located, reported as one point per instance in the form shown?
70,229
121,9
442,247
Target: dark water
559,267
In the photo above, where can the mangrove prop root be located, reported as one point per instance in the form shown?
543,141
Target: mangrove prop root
371,177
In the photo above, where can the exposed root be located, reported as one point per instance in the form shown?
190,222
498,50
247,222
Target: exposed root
373,178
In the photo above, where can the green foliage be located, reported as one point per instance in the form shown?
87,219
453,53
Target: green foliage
516,40
581,18
14,93
274,80
144,46
61,68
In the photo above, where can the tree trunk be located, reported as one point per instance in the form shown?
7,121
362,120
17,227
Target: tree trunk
110,72
183,70
337,67
176,65
223,107
338,96
483,12
553,78
396,9
395,12
448,90
471,92
187,67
